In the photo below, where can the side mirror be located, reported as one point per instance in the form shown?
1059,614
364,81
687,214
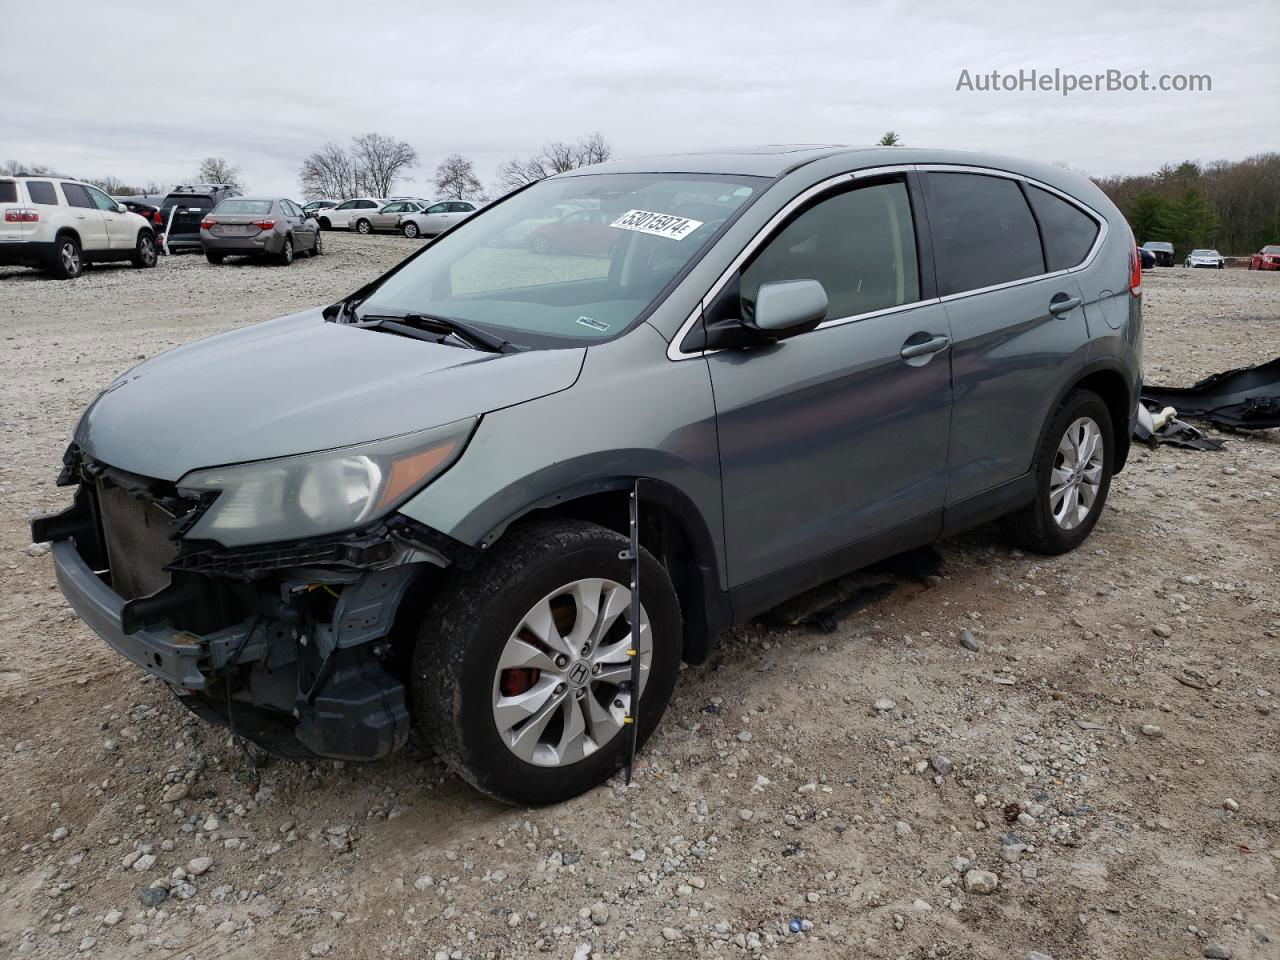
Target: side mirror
121,208
788,307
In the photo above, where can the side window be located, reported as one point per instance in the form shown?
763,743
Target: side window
1067,230
367,205
9,192
460,207
860,245
40,191
983,231
346,205
76,195
438,208
100,199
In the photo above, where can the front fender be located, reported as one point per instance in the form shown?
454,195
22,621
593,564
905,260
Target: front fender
632,413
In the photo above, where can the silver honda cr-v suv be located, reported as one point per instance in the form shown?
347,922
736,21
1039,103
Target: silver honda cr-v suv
414,506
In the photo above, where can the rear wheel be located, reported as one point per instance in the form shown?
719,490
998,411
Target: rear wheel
318,249
285,256
214,258
68,262
364,227
144,255
521,668
325,224
410,230
1072,474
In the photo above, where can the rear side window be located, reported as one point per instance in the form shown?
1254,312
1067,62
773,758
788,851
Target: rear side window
860,245
1067,230
9,192
983,231
40,191
76,195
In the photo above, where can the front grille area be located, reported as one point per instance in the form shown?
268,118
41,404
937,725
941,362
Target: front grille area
136,532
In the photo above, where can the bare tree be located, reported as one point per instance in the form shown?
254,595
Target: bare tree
13,167
218,170
456,178
329,173
380,161
554,157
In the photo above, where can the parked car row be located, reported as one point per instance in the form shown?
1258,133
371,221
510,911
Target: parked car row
410,216
1158,253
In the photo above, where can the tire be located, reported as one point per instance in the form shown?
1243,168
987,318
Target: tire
214,258
1035,527
318,249
410,230
456,682
541,245
285,256
325,224
144,254
68,259
364,227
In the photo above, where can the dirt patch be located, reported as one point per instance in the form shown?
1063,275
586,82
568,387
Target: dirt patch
1085,754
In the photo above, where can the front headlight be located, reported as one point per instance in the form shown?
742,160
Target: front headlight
318,493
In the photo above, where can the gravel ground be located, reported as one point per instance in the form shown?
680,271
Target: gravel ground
1073,757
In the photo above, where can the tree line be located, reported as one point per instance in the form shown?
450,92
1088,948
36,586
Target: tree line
1233,206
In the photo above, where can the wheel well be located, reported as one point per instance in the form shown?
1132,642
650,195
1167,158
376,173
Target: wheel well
670,537
1114,391
68,232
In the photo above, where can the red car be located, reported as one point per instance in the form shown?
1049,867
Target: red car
585,232
1268,258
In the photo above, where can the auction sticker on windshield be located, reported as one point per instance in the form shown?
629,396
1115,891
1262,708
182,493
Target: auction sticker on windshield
657,224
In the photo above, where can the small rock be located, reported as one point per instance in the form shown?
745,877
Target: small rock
902,828
969,641
1162,630
59,835
1216,951
639,856
885,704
599,913
87,944
1151,730
1037,955
144,862
153,896
112,918
941,764
199,866
513,920
320,949
745,814
1229,804
745,736
175,793
671,934
981,882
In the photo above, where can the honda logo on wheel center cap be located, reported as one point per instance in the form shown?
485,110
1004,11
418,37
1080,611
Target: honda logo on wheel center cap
579,673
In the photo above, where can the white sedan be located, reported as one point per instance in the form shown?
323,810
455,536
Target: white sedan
437,218
1206,258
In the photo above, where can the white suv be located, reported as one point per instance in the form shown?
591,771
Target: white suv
340,217
62,225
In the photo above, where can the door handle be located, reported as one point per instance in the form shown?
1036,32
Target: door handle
911,351
1062,303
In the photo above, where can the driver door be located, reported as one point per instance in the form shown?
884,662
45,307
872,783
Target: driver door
833,443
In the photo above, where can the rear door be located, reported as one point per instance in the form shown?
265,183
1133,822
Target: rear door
1019,327
121,230
435,219
86,218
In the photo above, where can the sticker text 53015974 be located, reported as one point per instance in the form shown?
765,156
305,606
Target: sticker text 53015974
657,224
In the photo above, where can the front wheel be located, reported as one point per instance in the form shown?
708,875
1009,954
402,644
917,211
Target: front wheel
1072,473
410,230
364,227
144,254
317,249
521,672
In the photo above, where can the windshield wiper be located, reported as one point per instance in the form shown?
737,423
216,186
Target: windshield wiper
468,333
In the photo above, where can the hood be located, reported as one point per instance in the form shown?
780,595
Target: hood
296,385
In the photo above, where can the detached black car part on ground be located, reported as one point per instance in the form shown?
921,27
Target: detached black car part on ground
1247,398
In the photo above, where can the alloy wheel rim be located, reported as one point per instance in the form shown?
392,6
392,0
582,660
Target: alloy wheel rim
1076,477
148,251
288,252
70,258
559,687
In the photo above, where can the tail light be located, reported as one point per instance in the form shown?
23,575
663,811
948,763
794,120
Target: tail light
22,215
1135,273
264,224
156,218
206,223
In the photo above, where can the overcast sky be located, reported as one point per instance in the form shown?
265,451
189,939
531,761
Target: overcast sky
145,90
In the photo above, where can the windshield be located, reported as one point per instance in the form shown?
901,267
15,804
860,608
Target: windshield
243,206
1204,253
568,260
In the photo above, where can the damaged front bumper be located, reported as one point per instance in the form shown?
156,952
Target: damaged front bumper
290,645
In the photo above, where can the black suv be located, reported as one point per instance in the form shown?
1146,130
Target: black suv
184,208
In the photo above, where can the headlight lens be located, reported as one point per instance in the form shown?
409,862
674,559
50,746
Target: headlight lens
318,493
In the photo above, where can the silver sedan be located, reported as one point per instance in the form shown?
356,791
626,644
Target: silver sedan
437,218
259,226
387,218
